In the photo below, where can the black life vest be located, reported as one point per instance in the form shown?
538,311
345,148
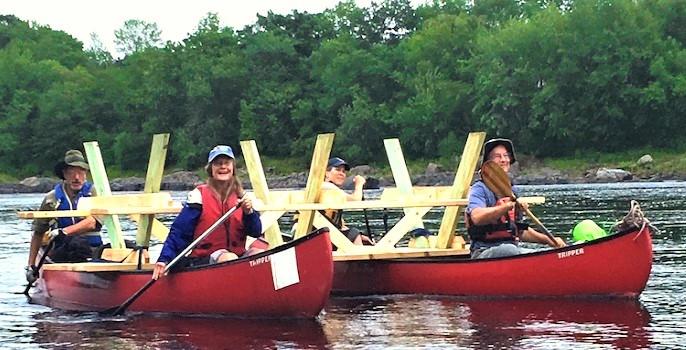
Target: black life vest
504,230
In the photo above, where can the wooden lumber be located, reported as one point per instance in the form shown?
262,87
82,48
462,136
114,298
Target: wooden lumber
251,155
158,199
402,227
438,192
153,182
320,157
102,188
460,187
337,237
401,176
352,205
43,214
125,255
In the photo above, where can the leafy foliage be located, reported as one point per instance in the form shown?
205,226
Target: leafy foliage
560,77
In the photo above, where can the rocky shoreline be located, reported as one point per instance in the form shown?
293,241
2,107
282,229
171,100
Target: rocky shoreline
434,175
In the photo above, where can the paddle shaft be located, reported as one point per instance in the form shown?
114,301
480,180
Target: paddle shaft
207,232
497,181
119,310
40,263
366,222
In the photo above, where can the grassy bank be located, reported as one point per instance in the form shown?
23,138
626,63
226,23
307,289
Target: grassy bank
665,162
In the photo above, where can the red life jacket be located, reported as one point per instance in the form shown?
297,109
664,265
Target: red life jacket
229,235
501,231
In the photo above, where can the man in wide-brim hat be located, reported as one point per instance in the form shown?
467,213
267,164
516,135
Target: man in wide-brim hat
494,224
74,238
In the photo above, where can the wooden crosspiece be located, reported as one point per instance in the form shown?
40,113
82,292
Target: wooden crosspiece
415,201
413,217
460,188
147,224
102,188
320,156
270,225
401,177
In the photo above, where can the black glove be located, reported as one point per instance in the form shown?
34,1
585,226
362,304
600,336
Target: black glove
31,274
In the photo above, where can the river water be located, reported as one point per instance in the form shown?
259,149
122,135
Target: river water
655,321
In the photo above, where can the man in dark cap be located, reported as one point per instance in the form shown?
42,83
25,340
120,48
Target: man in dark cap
495,224
74,238
336,173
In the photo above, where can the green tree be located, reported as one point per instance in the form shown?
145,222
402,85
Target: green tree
136,35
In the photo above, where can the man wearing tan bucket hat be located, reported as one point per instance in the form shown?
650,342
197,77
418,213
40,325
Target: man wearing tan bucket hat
74,238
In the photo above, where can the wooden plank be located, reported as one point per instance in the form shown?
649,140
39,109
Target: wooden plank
402,227
97,267
136,210
438,192
320,157
153,182
398,253
268,209
460,188
45,214
337,237
158,229
125,255
268,218
401,176
133,211
370,204
102,188
272,232
159,199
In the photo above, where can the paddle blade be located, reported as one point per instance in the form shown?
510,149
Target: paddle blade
119,310
496,179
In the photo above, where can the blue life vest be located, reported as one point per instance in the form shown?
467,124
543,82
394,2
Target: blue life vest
63,203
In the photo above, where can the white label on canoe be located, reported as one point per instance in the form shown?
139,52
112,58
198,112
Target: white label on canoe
573,252
284,269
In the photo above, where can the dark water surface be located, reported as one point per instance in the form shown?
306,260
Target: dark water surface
655,321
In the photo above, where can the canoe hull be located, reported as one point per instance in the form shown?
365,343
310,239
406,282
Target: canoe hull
241,288
614,266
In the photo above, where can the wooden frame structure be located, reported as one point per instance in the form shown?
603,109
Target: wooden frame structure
415,201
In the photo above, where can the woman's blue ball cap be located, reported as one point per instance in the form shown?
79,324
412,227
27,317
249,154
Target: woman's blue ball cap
218,151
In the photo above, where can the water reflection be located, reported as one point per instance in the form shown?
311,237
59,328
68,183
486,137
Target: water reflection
437,322
398,322
621,324
149,331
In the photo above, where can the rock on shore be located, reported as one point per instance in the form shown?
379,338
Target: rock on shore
434,175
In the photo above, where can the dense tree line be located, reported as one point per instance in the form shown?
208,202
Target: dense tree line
558,76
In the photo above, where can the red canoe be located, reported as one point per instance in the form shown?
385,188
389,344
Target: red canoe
292,280
614,266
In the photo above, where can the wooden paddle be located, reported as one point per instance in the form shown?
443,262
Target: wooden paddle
496,180
118,310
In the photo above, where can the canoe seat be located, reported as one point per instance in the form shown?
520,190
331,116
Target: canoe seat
97,267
